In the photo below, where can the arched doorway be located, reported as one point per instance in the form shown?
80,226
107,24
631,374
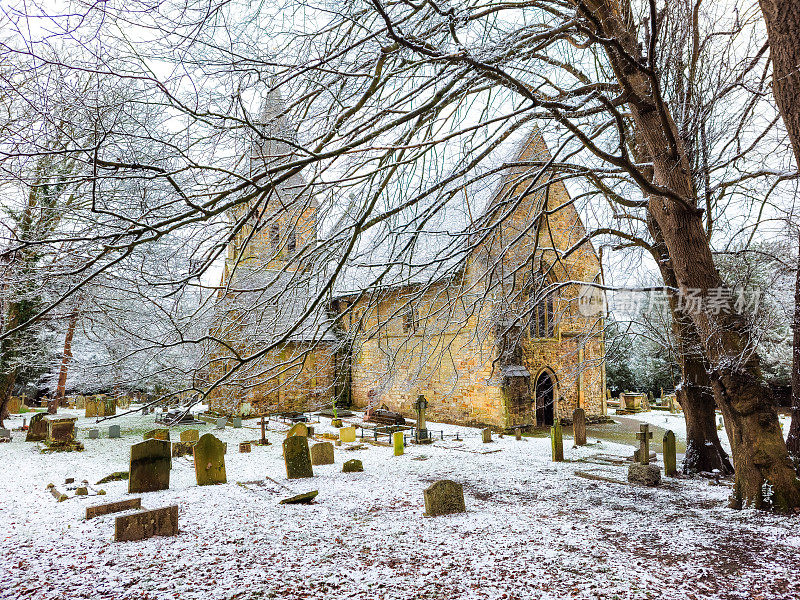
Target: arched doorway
545,399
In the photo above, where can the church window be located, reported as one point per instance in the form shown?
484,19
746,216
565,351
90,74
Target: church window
410,320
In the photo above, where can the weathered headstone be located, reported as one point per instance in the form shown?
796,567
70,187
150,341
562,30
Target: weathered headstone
644,474
398,443
297,457
94,434
14,405
60,430
557,442
487,435
322,454
37,430
221,422
644,436
244,447
157,434
444,498
190,435
518,434
352,466
149,467
347,434
5,435
209,460
237,422
579,426
305,498
670,455
147,524
421,435
114,431
298,429
182,449
112,507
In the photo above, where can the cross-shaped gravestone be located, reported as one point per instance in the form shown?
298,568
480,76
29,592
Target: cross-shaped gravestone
263,432
644,436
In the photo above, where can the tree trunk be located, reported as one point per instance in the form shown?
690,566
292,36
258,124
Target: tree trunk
7,381
764,474
61,387
793,440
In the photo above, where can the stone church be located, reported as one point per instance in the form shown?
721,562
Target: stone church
502,339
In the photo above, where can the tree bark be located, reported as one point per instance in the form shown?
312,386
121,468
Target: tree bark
764,474
61,387
793,440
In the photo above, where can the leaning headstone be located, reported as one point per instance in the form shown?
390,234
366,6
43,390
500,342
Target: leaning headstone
114,431
298,429
557,442
297,457
352,466
398,442
94,434
190,435
157,434
645,474
244,447
112,507
37,430
147,524
221,422
487,435
670,455
322,454
444,498
347,434
150,465
60,430
209,460
579,426
305,498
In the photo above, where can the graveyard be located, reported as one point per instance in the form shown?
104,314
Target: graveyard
233,518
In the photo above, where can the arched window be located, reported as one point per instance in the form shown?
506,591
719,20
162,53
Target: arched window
544,320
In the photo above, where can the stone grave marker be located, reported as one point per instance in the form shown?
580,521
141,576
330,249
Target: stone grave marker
244,447
670,455
5,435
579,426
94,434
644,436
398,443
518,434
487,435
112,507
221,422
182,449
147,524
297,429
648,474
60,430
14,405
352,466
444,498
37,430
114,432
557,442
157,434
190,435
209,460
305,498
322,454
237,422
347,434
297,457
149,467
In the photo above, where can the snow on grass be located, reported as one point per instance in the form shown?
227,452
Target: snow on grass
533,529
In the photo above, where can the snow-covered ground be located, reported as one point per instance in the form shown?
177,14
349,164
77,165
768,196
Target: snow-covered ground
533,529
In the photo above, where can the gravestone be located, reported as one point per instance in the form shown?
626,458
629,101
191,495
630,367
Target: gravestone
182,449
645,474
579,426
14,405
190,435
304,498
37,430
112,507
94,434
398,443
444,498
149,467
209,460
352,466
60,430
322,454
244,447
487,435
347,434
297,429
157,434
670,455
146,524
114,432
5,435
644,436
518,434
557,442
297,457
237,422
221,422
421,435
